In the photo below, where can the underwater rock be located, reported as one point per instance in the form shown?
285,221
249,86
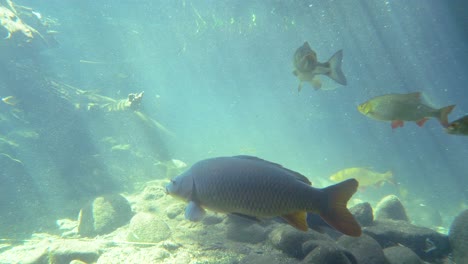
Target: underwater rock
458,237
173,210
364,248
212,220
44,248
401,255
363,213
66,224
329,253
103,215
20,199
28,253
151,193
68,250
428,244
135,255
289,240
75,261
325,250
147,227
68,227
390,207
310,245
245,230
170,246
267,259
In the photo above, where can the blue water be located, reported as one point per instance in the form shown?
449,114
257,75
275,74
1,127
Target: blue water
218,75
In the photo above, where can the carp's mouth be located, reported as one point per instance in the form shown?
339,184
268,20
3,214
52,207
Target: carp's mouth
168,186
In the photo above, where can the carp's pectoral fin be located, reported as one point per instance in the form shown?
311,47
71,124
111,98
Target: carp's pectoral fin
194,212
397,123
297,219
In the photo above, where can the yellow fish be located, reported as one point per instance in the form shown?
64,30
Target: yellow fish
10,100
398,108
364,176
307,67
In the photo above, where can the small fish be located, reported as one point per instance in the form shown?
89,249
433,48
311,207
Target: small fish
254,188
10,100
120,147
458,127
307,67
398,108
172,167
364,176
91,62
52,32
37,14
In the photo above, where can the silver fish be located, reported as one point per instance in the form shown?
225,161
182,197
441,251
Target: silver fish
403,107
307,67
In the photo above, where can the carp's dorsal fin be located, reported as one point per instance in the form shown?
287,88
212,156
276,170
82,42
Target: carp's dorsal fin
297,175
298,220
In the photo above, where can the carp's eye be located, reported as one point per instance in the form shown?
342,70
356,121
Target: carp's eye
173,182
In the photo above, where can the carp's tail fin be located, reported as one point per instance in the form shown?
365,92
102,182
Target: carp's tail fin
335,213
444,112
335,68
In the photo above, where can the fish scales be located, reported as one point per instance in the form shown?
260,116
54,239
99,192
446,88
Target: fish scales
401,107
398,108
257,188
249,191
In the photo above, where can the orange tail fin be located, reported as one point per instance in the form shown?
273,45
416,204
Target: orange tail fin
335,212
443,118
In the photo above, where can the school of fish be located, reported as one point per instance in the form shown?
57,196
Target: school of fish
257,189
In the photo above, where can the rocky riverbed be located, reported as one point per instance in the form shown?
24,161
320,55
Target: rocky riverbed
149,227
